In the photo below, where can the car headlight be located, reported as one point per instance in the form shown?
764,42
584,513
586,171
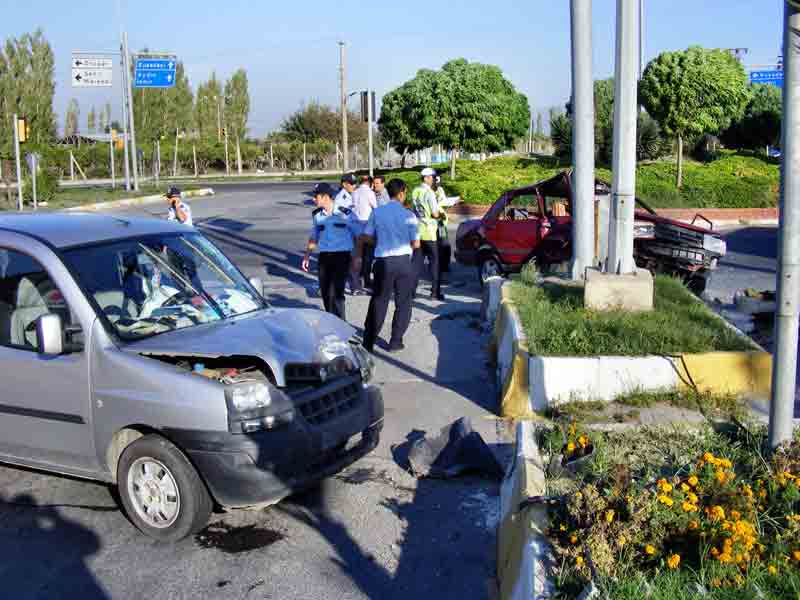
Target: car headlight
332,347
257,405
644,230
364,360
714,244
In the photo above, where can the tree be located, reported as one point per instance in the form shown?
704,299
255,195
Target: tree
464,106
539,126
314,121
207,119
693,92
760,125
237,104
91,121
72,118
159,111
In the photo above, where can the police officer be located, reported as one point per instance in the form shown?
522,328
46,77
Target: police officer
394,231
178,209
345,196
443,245
333,231
426,208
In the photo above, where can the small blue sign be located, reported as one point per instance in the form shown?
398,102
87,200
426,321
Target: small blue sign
774,77
154,72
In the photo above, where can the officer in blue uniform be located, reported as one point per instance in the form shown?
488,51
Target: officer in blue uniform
333,231
394,230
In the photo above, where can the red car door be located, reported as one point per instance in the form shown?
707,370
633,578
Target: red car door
514,228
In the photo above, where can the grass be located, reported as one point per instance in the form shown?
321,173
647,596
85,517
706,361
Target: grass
735,180
557,324
707,403
67,197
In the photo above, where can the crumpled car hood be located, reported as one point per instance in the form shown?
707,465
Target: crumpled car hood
276,336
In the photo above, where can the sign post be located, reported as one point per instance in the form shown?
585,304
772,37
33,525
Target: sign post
771,77
92,70
33,163
19,164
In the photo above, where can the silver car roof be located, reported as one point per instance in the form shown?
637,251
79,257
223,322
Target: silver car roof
63,230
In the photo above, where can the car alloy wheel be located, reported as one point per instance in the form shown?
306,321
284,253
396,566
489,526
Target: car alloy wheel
154,492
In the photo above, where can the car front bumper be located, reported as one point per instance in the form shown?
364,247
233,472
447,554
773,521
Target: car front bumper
243,470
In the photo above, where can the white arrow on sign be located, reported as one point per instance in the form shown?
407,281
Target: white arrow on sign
92,77
91,62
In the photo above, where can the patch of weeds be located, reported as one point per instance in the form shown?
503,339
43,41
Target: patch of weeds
711,404
577,410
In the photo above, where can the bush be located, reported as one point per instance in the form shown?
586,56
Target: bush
561,134
47,183
707,149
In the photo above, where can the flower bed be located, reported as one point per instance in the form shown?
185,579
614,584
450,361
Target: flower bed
665,513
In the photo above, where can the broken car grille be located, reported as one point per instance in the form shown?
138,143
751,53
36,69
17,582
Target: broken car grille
329,402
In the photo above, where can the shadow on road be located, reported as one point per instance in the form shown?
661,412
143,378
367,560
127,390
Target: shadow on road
44,554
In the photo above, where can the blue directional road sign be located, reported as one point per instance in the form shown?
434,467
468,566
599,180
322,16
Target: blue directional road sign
154,72
774,77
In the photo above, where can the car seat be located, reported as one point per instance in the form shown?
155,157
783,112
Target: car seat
30,306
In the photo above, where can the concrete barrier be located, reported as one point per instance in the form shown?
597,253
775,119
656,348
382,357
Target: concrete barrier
522,549
531,383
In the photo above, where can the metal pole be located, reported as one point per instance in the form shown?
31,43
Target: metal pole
620,251
219,121
113,174
19,164
337,155
346,166
641,38
175,156
530,127
238,156
271,157
583,138
784,373
369,130
34,167
157,161
227,164
125,157
194,158
127,76
305,165
71,167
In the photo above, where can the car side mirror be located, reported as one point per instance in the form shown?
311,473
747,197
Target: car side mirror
257,283
50,335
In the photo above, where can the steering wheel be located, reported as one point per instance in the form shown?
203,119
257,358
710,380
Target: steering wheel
517,214
182,297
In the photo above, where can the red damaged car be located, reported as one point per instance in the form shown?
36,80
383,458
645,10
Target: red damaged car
534,224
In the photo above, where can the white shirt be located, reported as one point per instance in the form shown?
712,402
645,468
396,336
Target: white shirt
363,202
382,198
343,200
173,215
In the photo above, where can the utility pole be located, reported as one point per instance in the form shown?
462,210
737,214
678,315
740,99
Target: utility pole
784,373
127,75
19,164
641,38
111,153
530,133
583,139
346,166
157,161
620,250
125,157
219,120
194,158
369,129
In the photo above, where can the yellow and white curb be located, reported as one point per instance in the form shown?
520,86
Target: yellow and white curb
522,549
137,201
533,383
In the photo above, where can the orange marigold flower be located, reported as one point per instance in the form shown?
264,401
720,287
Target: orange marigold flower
736,515
673,561
685,487
694,524
621,541
688,507
649,549
666,500
796,555
716,512
571,447
692,497
579,562
573,539
720,476
714,552
583,441
609,516
708,457
725,463
693,481
772,570
716,582
562,527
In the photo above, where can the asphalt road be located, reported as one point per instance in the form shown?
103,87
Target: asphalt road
373,531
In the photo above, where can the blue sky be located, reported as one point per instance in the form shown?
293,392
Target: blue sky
290,51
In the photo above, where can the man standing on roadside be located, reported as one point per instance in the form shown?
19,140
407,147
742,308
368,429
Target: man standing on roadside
345,196
363,204
426,208
379,187
333,231
394,231
178,209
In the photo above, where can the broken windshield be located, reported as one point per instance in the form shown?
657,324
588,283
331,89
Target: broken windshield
146,286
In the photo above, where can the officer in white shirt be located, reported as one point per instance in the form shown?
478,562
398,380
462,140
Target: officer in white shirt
345,196
178,209
363,204
394,231
379,187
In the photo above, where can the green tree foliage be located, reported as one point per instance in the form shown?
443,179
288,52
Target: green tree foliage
319,122
72,118
561,135
237,105
463,106
91,121
761,123
209,94
27,87
159,111
693,92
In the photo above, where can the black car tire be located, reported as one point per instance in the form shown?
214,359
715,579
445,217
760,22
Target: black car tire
489,265
188,492
697,284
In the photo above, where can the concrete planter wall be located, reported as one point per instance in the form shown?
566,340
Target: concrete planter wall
534,383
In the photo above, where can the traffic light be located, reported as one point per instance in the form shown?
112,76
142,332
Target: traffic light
113,135
23,130
366,97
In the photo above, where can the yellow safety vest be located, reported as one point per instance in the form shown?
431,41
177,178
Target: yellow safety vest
428,226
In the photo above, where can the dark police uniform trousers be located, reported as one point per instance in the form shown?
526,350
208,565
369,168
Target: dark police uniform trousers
431,250
334,268
394,276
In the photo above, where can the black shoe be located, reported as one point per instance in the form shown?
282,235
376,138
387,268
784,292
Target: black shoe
369,348
439,296
396,347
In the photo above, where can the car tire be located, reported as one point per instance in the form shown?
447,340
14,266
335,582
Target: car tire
161,491
489,266
697,284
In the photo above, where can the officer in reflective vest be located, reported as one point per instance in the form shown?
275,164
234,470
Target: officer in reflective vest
426,207
333,231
